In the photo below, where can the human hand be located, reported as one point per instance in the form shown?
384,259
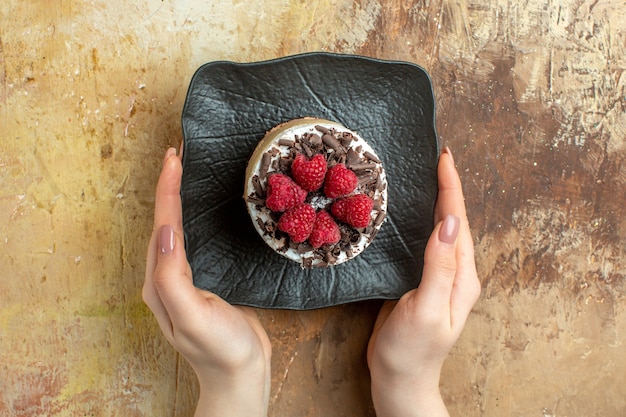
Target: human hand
225,345
413,336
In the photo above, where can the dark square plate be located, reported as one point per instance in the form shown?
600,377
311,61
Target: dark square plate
228,109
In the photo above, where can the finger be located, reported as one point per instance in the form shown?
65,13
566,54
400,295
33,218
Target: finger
151,255
450,196
466,288
168,207
150,294
172,277
167,185
440,269
450,201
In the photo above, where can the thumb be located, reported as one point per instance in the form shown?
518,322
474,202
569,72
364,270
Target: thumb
172,277
440,266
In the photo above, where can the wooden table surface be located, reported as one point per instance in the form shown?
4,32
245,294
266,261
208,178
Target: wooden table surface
530,97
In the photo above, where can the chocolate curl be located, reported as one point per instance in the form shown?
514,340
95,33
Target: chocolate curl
332,142
265,165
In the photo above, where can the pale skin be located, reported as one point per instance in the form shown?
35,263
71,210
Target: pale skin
230,352
413,336
225,345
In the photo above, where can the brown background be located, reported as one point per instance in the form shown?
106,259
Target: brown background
531,99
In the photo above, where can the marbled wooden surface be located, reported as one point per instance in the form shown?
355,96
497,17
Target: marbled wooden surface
531,98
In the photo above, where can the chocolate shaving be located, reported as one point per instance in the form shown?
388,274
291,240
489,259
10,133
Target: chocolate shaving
286,142
330,258
256,184
366,180
379,218
355,236
331,141
284,164
371,157
307,150
380,186
274,216
361,166
255,201
333,159
363,173
274,151
345,141
265,164
321,129
315,140
304,248
352,157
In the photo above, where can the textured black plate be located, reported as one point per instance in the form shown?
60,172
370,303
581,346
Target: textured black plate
229,108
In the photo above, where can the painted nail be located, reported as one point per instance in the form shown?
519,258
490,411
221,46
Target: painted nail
166,239
168,153
449,152
449,229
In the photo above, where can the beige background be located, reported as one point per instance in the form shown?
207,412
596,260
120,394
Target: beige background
531,98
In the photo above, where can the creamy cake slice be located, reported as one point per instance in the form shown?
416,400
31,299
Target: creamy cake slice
353,191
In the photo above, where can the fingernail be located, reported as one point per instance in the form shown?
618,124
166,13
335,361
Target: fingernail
449,152
166,239
168,153
449,229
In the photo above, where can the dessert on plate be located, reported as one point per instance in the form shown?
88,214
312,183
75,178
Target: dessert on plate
316,192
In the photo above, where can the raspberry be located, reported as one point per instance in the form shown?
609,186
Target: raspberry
309,173
298,222
355,210
283,193
340,181
325,230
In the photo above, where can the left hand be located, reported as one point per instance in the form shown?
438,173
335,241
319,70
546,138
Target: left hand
413,336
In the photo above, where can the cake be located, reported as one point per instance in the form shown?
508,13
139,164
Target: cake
316,192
